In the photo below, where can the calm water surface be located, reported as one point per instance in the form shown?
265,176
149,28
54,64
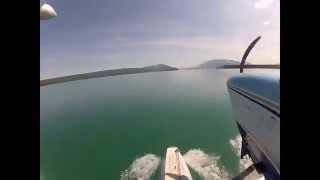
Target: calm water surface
94,129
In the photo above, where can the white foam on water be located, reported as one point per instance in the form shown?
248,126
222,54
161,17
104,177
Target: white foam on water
236,144
142,168
207,166
236,147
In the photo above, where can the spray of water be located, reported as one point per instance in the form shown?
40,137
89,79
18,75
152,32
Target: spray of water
236,147
207,166
142,168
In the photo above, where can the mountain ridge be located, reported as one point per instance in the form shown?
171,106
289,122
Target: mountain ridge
105,73
217,63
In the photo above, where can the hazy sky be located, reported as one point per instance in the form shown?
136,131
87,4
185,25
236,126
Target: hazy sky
91,35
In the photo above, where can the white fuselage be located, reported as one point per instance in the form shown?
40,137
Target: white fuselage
261,124
256,104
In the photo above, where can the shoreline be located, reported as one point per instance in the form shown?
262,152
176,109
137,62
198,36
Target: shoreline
105,73
125,71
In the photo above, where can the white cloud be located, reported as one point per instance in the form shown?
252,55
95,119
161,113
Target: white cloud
262,4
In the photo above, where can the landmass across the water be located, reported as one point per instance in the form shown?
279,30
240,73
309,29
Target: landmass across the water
252,66
211,64
113,72
231,64
217,63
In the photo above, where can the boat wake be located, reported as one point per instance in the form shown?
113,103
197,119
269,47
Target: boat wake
236,147
207,166
142,168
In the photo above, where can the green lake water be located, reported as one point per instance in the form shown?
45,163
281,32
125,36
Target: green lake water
94,129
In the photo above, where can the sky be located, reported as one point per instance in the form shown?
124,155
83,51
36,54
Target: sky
98,35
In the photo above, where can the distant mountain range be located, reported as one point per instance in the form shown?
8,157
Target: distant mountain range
113,72
217,63
232,64
211,64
